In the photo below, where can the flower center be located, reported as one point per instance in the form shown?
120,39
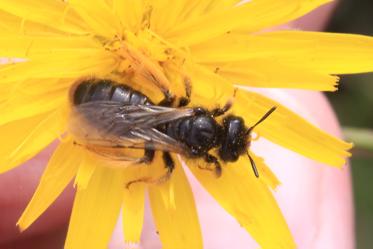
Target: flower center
145,58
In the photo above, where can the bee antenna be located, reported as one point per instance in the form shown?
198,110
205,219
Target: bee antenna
265,116
253,165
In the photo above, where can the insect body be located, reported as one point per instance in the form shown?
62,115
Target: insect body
92,90
115,116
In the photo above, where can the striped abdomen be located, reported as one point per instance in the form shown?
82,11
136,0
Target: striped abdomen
91,90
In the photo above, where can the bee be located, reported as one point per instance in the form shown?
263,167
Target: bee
114,116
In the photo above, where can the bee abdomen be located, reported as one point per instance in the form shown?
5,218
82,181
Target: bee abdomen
106,90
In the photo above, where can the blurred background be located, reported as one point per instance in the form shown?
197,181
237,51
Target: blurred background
353,105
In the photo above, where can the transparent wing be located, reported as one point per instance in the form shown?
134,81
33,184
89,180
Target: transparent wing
111,124
154,139
145,116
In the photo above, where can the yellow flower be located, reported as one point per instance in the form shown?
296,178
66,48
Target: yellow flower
213,44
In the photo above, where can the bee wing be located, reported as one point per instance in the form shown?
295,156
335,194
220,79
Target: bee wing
154,139
131,115
112,124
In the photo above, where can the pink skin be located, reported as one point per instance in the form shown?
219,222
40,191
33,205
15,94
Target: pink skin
315,199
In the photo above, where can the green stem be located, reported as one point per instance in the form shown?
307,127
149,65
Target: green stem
362,138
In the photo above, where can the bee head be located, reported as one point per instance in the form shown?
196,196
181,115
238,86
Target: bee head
236,137
234,140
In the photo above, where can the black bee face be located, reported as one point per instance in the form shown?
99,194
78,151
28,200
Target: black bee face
234,141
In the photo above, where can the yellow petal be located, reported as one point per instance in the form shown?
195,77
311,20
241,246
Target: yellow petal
326,53
188,10
61,168
22,104
162,19
175,213
216,5
250,16
133,212
249,200
74,64
235,47
267,73
54,14
26,137
265,173
4,94
159,14
289,130
287,11
208,26
95,211
98,15
11,25
193,9
134,200
129,12
209,89
25,46
85,172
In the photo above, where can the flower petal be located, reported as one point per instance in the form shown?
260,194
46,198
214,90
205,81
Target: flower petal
85,172
326,53
12,25
25,46
267,73
95,211
194,9
133,212
289,130
98,15
209,89
162,19
45,12
134,198
61,168
129,12
26,137
250,202
23,102
175,213
250,16
160,13
265,173
75,64
286,11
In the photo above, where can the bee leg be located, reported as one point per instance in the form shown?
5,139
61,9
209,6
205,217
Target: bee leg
148,156
220,111
212,159
147,159
170,165
144,179
204,168
168,100
184,101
